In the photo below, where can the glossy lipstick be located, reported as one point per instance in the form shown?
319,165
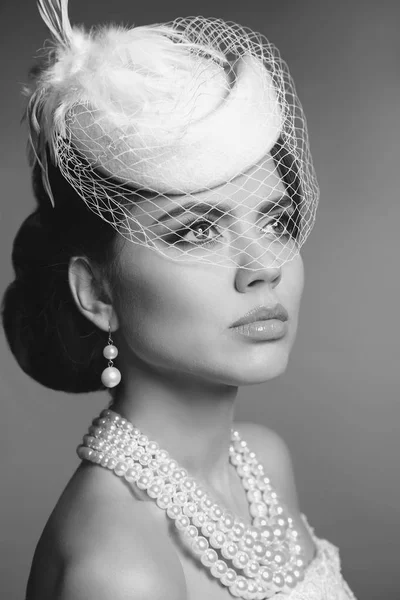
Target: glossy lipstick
263,323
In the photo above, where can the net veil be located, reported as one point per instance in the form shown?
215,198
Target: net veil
187,137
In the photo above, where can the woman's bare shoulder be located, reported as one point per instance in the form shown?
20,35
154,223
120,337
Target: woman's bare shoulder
103,541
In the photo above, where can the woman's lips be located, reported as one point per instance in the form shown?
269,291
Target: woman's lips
263,313
271,329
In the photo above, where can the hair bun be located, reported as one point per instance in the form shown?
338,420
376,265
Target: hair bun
51,340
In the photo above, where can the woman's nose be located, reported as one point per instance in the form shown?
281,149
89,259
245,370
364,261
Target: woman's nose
255,263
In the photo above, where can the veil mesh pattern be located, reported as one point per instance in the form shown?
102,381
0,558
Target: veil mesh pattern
101,163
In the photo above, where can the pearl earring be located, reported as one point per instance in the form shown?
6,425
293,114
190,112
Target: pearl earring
111,376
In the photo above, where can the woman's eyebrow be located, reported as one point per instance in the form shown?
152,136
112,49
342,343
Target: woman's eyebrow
221,210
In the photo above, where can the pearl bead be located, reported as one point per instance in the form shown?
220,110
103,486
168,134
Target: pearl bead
110,377
246,542
251,457
298,574
279,558
238,530
236,459
229,577
85,453
145,459
200,544
209,557
189,484
133,472
259,550
229,549
191,532
227,521
152,447
240,560
217,539
112,462
239,445
163,469
208,528
251,587
265,574
143,482
279,533
154,490
281,521
244,470
137,453
252,568
199,519
255,533
206,503
278,580
263,482
190,509
120,468
254,496
164,501
173,511
219,568
110,352
248,482
258,509
199,493
176,476
182,522
180,498
169,489
216,512
157,480
241,584
290,579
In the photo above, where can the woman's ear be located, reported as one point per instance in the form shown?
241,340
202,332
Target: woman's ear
90,295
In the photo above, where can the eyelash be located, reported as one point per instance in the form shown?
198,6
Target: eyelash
176,238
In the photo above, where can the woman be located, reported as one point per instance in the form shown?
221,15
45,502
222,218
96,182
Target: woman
188,139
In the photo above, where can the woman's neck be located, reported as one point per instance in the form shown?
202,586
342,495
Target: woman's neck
188,417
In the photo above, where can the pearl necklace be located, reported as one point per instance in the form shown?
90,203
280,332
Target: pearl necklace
267,553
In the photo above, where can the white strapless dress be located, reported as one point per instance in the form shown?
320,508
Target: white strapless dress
323,579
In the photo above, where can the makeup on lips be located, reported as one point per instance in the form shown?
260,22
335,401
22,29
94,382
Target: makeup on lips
263,323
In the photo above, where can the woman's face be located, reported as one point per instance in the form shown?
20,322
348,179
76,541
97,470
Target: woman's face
177,316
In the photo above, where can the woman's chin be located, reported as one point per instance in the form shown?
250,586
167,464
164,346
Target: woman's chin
252,372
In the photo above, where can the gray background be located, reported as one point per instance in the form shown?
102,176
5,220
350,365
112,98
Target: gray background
337,405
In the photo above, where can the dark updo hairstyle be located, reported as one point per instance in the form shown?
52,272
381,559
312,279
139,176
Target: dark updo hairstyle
51,340
49,337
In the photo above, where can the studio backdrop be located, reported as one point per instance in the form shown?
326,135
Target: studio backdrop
338,403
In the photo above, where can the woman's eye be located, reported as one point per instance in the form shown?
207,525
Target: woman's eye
181,237
205,226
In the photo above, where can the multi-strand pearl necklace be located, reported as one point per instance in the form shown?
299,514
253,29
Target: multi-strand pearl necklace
254,562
